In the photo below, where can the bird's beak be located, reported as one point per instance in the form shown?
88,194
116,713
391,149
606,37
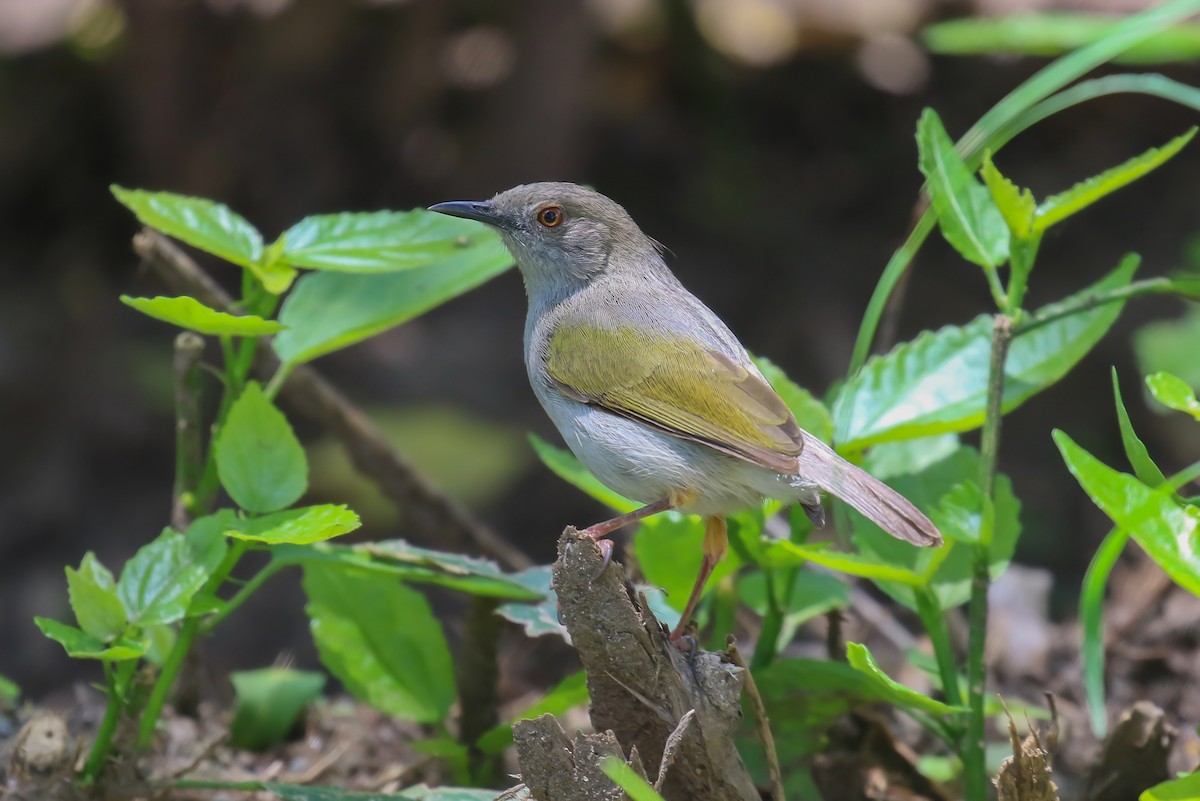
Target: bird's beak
481,211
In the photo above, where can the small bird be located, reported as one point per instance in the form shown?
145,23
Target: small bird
649,389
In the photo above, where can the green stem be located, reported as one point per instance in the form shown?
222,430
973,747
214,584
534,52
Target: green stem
278,380
244,592
975,771
179,651
930,612
768,636
1150,286
996,288
203,784
118,694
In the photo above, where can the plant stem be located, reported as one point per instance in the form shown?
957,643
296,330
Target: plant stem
245,591
118,694
977,612
767,644
996,288
183,644
189,448
278,380
930,612
1150,286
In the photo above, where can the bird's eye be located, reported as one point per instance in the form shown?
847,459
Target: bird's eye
550,216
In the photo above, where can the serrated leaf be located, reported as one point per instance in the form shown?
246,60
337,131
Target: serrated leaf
259,460
937,383
93,595
157,584
210,226
269,702
564,465
297,526
810,413
1135,450
1016,205
1057,208
896,693
1174,393
328,311
382,241
570,692
80,645
187,312
1166,531
381,640
967,215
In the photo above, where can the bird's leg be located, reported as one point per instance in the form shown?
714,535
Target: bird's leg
716,540
600,530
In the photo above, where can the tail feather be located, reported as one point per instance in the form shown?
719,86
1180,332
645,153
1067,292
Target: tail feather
878,502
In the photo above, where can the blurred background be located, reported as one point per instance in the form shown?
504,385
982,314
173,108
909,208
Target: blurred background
767,143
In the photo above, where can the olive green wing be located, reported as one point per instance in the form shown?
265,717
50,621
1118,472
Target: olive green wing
679,387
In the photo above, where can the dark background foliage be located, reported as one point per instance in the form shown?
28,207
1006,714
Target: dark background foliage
773,155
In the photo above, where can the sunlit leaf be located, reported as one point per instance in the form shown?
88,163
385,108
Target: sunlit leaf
1166,530
1185,788
628,780
187,312
210,226
259,459
327,311
297,526
1135,450
381,241
937,383
1057,208
158,583
381,640
1172,392
966,212
785,553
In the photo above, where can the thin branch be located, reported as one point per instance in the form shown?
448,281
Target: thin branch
428,516
761,722
189,446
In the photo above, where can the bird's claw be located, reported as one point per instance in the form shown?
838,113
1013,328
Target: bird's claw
606,552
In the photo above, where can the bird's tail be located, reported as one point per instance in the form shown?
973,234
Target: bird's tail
878,502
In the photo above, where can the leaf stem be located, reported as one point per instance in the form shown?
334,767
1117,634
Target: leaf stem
930,612
1150,286
975,772
179,651
996,288
278,380
766,647
244,592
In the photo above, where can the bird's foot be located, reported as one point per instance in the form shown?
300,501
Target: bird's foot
684,637
606,551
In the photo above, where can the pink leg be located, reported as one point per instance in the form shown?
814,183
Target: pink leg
598,531
716,540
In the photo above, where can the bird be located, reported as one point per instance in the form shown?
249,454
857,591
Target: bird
650,389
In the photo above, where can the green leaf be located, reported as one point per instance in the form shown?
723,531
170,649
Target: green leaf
1057,208
80,645
189,313
1166,531
537,618
1052,33
269,702
1135,450
786,554
955,503
1091,618
10,693
896,693
381,640
810,413
382,241
937,383
398,559
564,465
1172,392
637,788
210,226
572,691
811,594
93,596
297,526
157,584
1185,788
259,459
967,215
329,311
1170,346
1016,205
669,549
206,538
